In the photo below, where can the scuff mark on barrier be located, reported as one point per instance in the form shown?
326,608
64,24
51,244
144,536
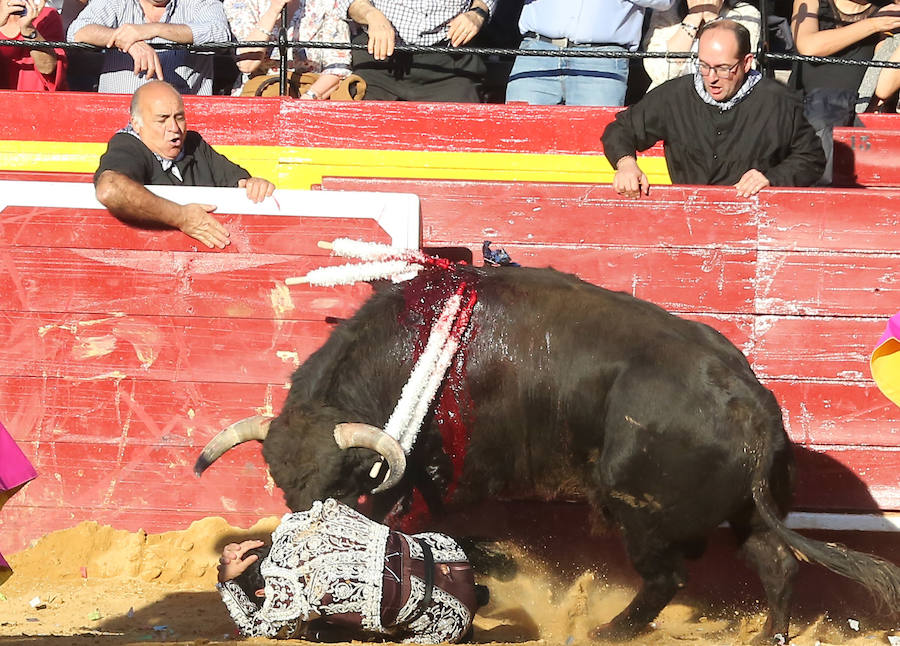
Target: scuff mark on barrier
266,409
74,325
144,338
288,357
93,346
280,297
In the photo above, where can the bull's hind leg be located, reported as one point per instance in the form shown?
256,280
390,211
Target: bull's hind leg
777,567
661,565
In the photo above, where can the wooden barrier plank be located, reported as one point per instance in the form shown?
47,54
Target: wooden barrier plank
867,156
45,409
144,283
55,228
851,413
77,476
570,214
847,479
165,348
698,280
826,348
827,284
838,220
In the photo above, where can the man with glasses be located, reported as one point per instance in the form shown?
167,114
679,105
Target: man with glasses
723,125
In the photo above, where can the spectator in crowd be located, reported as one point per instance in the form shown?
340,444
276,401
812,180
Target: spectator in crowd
27,68
312,20
847,29
675,30
724,124
879,86
157,148
15,472
430,76
333,563
604,25
127,27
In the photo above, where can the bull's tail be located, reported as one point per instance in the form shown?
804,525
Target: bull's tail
251,428
879,576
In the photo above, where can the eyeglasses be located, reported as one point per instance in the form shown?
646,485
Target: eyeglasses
722,71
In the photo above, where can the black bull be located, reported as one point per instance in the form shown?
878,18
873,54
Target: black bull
563,386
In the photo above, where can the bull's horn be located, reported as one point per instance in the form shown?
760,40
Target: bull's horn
368,437
251,428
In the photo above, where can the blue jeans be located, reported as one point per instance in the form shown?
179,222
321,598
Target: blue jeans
551,80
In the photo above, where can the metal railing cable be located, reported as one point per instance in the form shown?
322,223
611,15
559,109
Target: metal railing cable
282,45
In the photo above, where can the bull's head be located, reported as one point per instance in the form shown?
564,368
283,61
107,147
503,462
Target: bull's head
346,436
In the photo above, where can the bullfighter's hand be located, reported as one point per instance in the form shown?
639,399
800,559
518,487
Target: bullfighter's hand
196,220
146,61
258,188
125,36
751,183
381,35
629,179
232,562
464,28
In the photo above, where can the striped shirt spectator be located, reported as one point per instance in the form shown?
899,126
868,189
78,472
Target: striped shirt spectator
420,22
123,26
420,76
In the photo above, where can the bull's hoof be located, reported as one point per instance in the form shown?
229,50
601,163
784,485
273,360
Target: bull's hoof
614,632
765,638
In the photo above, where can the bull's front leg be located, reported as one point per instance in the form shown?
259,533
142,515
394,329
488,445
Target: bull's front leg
662,568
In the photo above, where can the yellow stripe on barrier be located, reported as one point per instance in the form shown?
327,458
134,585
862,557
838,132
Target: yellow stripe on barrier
300,168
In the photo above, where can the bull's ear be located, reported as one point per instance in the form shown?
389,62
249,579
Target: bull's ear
261,593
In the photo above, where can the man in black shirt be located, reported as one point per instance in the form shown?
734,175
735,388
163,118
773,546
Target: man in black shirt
157,148
722,125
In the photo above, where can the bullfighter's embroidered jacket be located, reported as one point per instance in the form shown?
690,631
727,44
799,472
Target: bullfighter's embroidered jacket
332,562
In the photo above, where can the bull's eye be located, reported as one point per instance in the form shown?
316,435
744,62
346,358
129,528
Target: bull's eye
375,471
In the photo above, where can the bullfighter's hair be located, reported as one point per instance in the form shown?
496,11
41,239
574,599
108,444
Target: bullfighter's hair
251,579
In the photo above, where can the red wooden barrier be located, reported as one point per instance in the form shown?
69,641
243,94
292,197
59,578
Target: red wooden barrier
124,351
863,156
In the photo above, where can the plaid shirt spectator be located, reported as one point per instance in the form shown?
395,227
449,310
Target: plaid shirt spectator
190,73
419,22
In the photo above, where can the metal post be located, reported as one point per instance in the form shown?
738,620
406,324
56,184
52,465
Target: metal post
763,53
282,53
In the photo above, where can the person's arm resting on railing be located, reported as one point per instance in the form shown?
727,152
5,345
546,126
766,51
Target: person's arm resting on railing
131,202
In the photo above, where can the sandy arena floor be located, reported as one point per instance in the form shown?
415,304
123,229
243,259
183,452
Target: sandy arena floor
96,585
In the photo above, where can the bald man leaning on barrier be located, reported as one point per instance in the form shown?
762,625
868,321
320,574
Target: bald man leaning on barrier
156,148
723,125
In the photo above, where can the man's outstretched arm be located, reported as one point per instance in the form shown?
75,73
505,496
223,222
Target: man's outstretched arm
131,202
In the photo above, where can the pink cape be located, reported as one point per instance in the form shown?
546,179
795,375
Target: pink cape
15,470
885,361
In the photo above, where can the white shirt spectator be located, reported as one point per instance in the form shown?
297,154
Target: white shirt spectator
190,73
